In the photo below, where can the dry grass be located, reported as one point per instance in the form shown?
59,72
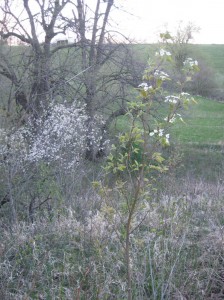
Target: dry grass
176,252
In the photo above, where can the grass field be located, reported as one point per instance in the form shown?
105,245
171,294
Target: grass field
204,124
212,54
201,140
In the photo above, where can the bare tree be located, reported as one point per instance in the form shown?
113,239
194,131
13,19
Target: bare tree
92,68
104,87
24,26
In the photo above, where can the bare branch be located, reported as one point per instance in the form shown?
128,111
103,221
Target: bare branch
102,34
20,37
35,41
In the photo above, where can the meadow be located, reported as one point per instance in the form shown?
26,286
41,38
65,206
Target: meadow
204,124
201,139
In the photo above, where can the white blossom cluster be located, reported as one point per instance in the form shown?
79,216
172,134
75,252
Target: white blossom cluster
161,75
185,96
176,99
61,132
60,135
173,118
190,62
162,53
172,99
95,134
12,146
160,133
145,86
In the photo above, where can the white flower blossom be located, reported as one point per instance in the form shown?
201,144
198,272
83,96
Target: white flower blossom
172,99
145,86
186,97
60,132
190,62
167,137
157,131
172,120
163,52
161,132
161,75
152,133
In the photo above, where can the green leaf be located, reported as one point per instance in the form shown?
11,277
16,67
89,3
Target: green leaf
121,168
159,82
143,93
158,157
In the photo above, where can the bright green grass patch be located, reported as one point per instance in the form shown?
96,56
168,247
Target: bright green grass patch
204,124
201,140
212,54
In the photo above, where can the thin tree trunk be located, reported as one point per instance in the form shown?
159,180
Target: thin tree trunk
127,256
10,195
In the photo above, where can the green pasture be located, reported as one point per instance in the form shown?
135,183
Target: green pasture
213,55
201,140
204,124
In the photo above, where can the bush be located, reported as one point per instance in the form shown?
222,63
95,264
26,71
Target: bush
203,82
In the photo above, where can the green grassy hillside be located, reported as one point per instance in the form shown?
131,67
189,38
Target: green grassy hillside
201,140
204,124
212,54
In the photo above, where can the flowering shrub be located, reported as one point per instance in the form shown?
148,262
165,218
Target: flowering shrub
42,162
12,146
59,135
